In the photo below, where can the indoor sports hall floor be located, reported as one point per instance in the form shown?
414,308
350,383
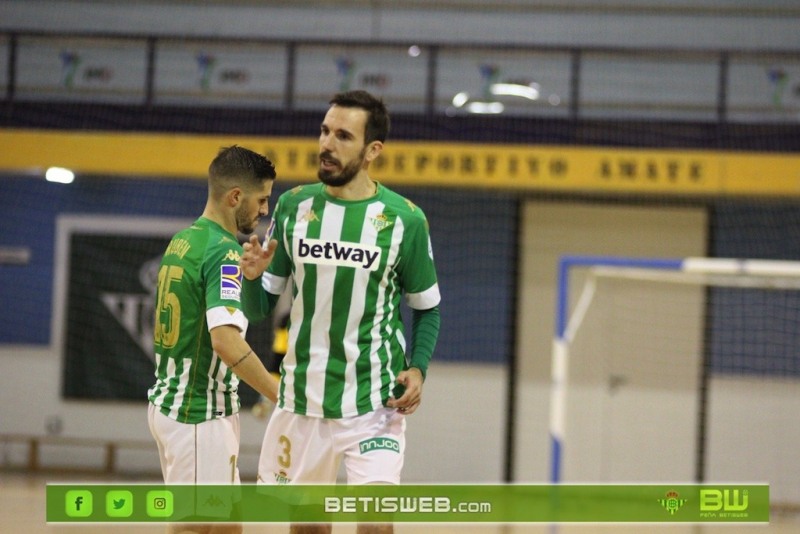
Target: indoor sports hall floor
22,510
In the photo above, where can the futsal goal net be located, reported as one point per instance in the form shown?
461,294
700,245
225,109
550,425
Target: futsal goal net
677,370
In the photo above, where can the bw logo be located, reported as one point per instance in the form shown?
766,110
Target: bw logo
714,500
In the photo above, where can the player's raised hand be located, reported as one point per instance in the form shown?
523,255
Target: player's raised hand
256,258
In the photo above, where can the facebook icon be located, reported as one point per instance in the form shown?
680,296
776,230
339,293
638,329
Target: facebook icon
78,503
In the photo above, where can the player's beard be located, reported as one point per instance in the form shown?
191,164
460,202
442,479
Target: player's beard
244,223
346,175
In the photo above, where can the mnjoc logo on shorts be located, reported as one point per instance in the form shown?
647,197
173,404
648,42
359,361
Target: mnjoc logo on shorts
379,444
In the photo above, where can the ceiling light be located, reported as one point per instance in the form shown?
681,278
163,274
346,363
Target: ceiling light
460,99
531,92
485,107
59,175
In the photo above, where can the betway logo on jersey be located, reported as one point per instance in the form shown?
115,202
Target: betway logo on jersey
338,253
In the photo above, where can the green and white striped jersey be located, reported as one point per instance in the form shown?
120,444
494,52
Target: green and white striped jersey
350,262
199,288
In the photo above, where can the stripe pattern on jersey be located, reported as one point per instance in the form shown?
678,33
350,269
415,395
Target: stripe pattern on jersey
346,344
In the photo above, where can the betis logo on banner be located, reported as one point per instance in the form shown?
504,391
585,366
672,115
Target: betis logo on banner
672,502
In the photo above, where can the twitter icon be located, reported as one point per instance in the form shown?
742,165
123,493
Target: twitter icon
119,503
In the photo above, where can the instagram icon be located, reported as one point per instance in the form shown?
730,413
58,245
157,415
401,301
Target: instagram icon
159,503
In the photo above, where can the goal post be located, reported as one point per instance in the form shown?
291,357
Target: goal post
576,297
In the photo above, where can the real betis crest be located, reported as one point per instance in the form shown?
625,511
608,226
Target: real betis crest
672,502
380,222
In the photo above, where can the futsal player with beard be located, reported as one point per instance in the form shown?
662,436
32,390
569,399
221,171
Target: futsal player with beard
353,249
200,350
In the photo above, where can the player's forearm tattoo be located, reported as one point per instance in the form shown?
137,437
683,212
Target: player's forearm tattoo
243,358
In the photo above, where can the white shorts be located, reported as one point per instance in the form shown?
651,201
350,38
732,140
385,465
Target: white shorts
308,450
203,453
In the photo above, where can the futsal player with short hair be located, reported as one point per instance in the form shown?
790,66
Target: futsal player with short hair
200,350
353,249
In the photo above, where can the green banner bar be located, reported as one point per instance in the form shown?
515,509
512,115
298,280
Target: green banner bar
600,503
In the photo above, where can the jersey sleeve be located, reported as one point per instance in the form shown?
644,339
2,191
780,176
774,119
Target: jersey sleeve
223,284
416,267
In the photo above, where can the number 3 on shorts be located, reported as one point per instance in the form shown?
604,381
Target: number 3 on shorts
285,459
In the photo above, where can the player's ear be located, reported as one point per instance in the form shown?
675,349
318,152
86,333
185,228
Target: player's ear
374,150
234,196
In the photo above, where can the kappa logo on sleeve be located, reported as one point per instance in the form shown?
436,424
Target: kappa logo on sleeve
337,253
230,283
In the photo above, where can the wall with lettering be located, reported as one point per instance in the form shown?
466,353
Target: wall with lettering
473,234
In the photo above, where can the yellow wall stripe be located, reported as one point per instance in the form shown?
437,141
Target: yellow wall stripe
521,167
